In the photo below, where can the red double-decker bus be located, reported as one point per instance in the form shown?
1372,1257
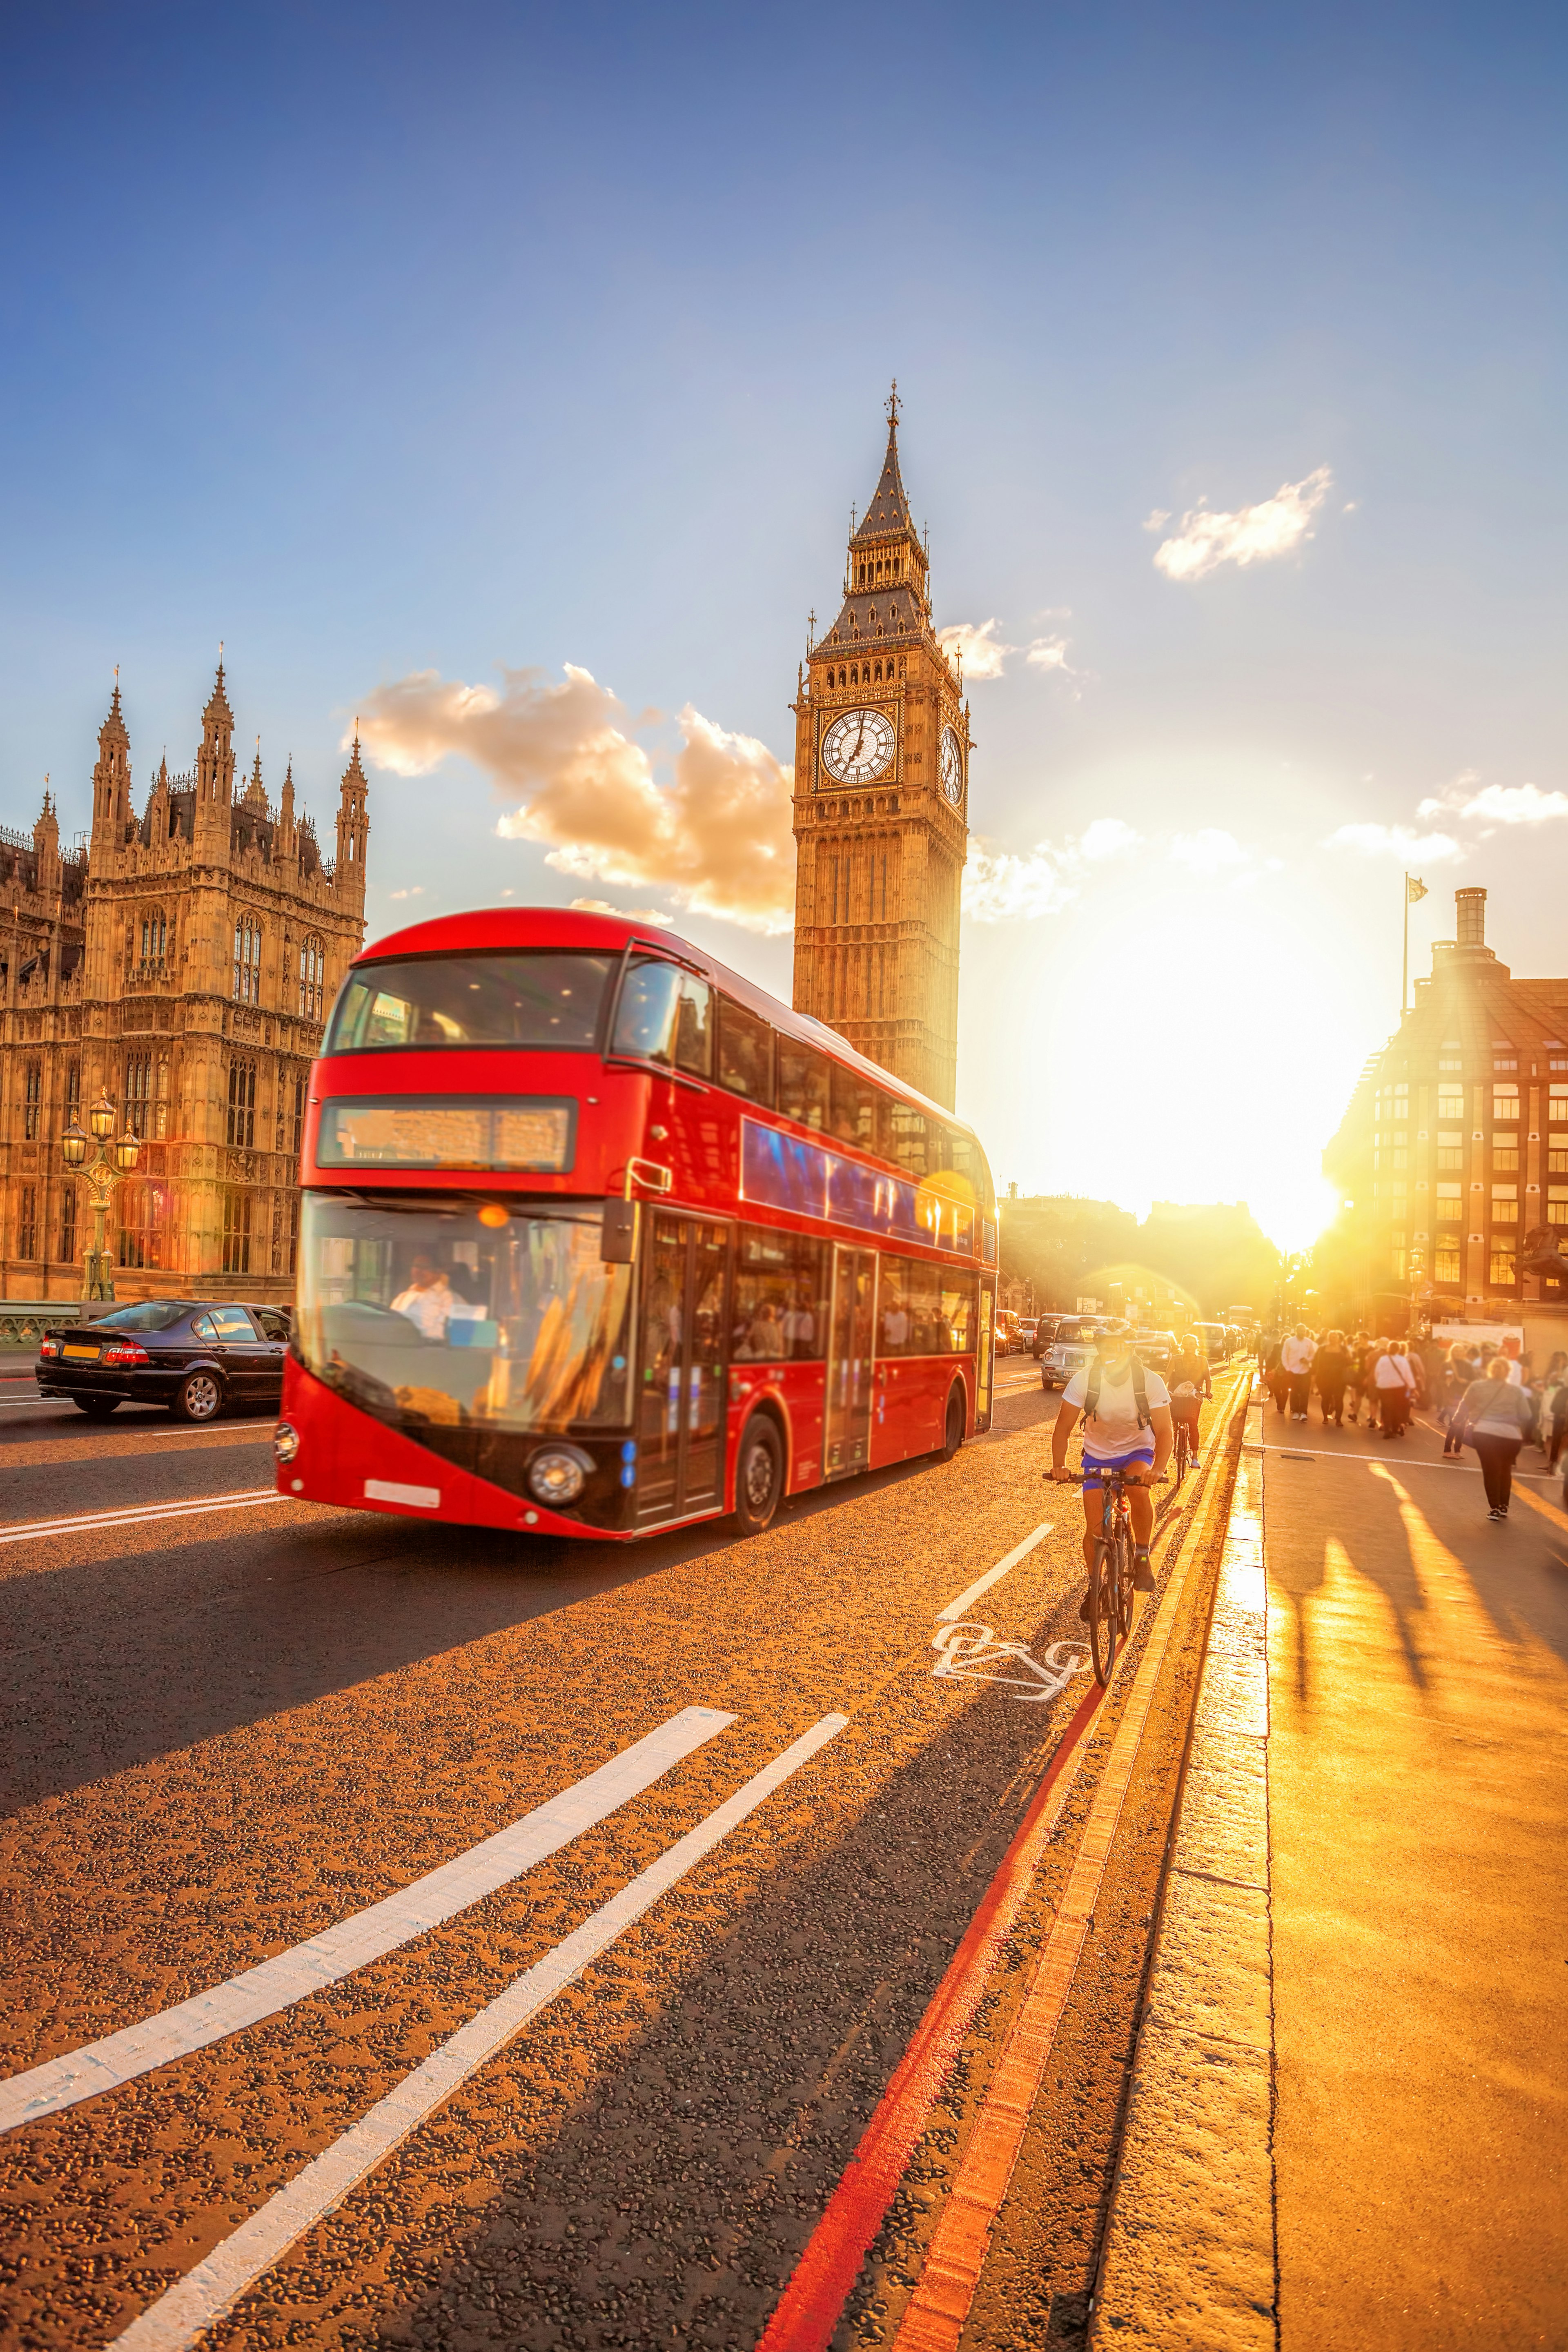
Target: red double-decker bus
598,1238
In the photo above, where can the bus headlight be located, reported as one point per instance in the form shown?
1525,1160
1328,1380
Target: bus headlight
285,1440
557,1476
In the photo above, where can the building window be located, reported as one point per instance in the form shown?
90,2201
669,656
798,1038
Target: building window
141,1224
1451,1106
1450,1152
73,1090
1505,1204
242,1105
247,961
67,1224
1504,1157
138,1096
154,936
32,1106
313,974
1446,1262
1557,1163
1504,1264
236,1231
1396,1261
1505,1102
27,1224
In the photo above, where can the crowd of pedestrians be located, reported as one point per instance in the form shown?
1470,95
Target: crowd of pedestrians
1487,1399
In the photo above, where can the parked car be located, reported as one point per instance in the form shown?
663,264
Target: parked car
198,1357
1004,1340
1077,1339
1045,1332
1216,1339
1028,1326
1157,1348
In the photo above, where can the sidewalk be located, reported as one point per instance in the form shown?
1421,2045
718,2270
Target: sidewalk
1367,1912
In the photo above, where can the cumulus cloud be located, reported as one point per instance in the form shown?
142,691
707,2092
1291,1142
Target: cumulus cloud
715,833
1050,653
1003,887
1210,850
1258,534
622,913
418,891
977,647
1400,841
1497,803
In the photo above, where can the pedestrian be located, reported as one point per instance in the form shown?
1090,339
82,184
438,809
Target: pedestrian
1393,1375
1277,1378
1355,1385
1495,1418
1296,1354
1551,1402
1514,1361
1464,1365
1331,1369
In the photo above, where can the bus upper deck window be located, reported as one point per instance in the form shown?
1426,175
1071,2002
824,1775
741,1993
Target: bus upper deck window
694,1030
645,1022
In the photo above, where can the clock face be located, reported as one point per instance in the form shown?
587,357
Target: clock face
952,766
858,746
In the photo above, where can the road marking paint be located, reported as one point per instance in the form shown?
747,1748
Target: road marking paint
1404,1461
277,1983
182,2315
241,1500
808,2311
1539,1503
972,1592
969,1650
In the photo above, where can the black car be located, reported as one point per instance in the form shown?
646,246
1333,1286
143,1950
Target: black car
196,1356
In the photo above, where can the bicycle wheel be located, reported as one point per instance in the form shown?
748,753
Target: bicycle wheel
1123,1580
1103,1613
1183,1449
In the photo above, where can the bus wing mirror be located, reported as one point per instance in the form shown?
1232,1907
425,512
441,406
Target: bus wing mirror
618,1238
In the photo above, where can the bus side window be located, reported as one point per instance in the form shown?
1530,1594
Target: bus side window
645,1020
694,1031
857,1104
908,1138
803,1084
745,1052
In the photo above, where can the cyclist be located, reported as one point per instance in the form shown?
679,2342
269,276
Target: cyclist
1189,1383
1126,1413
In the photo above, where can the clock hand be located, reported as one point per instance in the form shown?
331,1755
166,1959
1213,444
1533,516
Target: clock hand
859,739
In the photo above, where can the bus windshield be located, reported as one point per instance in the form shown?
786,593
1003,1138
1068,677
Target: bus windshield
552,997
446,1321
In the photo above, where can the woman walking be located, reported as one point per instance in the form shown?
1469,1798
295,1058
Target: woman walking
1553,1411
1495,1417
1331,1370
1463,1367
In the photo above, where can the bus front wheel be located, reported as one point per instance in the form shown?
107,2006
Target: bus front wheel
759,1474
952,1436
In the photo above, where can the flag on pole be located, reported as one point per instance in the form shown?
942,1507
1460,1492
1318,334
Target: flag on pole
1413,889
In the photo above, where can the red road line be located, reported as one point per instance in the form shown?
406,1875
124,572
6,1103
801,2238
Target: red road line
809,2309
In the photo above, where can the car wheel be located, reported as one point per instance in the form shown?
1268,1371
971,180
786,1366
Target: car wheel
199,1397
953,1437
96,1408
759,1474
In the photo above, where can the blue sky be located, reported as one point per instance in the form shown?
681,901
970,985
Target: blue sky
385,340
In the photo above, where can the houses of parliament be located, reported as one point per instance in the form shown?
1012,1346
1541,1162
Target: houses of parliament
181,960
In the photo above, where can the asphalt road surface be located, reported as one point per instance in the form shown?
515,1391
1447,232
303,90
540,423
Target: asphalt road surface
599,2082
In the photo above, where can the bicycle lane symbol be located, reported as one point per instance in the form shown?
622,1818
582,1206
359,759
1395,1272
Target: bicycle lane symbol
974,1651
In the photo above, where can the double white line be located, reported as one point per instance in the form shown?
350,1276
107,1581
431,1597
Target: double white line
182,2315
245,1499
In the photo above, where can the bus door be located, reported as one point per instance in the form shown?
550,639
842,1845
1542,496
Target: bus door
681,1367
984,1357
847,1430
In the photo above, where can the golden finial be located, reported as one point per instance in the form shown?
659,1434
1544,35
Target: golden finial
892,405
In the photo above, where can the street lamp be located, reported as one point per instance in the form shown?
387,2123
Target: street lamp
103,1172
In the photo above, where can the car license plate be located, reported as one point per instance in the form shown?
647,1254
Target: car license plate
82,1355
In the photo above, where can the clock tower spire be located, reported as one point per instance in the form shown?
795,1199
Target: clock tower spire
882,797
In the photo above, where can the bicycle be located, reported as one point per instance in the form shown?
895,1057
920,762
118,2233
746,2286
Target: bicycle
1110,1577
1183,1453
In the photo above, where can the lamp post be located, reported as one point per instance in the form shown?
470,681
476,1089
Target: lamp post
103,1171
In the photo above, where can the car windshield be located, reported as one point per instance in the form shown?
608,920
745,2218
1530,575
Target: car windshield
464,1326
147,1315
547,997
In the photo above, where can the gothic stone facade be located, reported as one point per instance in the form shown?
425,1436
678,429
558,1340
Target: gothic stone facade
882,747
182,963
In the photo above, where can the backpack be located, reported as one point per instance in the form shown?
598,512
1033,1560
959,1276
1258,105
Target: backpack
1140,1392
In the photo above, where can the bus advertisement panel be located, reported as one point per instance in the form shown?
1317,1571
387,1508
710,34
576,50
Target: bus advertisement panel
596,1237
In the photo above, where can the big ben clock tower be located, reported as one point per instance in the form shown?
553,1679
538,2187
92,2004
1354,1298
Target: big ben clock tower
881,801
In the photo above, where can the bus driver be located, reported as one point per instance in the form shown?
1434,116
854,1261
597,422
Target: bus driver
1126,1426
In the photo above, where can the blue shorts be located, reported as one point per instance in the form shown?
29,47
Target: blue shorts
1092,1470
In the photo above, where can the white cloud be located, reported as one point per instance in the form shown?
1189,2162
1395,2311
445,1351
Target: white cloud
417,892
1050,653
625,914
977,647
716,834
1002,887
1210,850
1275,526
1497,803
1401,841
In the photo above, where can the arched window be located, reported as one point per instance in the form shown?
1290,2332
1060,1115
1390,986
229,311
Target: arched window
154,935
842,679
242,1107
312,976
247,961
139,1093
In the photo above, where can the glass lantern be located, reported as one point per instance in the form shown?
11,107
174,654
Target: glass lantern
100,1117
73,1145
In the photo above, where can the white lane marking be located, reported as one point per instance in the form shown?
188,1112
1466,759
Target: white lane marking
242,1499
973,1649
365,1935
177,2318
1406,1461
972,1592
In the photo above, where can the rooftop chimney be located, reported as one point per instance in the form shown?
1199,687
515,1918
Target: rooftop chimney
1471,913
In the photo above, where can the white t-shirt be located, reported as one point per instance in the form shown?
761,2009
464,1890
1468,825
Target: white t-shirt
430,1308
1114,1430
1515,1372
1297,1355
1394,1372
